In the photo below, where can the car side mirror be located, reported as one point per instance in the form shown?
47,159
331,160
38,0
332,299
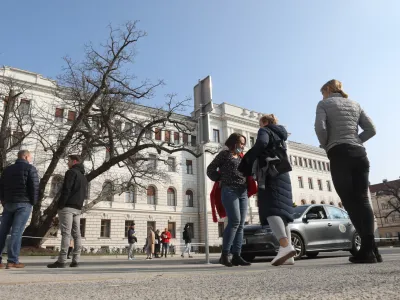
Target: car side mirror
311,217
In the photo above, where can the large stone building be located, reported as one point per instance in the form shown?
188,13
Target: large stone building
387,218
180,197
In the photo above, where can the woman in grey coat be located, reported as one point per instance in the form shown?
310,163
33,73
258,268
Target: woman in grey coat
336,125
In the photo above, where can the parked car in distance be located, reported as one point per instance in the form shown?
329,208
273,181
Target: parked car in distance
316,228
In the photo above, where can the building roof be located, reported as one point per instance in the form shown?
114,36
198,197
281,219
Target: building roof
374,188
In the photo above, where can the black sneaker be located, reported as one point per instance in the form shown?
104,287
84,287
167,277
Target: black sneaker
56,265
237,260
364,258
224,260
74,264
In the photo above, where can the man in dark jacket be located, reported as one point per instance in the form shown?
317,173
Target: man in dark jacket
19,191
187,237
70,204
132,239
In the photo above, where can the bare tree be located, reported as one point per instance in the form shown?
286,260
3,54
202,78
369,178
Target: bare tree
390,191
17,120
105,117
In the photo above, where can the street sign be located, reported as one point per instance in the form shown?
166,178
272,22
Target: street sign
203,105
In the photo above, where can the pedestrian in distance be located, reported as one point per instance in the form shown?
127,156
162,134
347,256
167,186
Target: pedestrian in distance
70,203
187,237
150,243
132,239
224,168
165,239
337,125
158,244
19,191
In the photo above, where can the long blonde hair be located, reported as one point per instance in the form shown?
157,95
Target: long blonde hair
335,86
271,119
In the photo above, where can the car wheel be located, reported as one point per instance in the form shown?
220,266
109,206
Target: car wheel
248,257
298,245
356,244
312,254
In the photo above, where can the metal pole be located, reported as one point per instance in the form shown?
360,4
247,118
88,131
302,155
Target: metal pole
205,214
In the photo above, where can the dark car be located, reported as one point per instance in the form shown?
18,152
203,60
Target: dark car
316,228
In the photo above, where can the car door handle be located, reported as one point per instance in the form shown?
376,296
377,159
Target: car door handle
329,224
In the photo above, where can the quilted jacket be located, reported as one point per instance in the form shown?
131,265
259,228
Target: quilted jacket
337,120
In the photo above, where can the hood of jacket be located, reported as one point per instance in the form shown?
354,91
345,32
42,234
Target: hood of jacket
279,130
79,167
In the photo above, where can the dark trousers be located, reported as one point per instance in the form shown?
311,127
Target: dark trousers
350,173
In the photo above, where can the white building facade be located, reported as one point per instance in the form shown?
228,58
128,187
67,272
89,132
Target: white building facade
179,198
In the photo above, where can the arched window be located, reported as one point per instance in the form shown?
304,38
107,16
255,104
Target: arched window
331,203
189,198
108,191
340,205
303,202
151,195
322,202
171,199
56,185
130,194
312,201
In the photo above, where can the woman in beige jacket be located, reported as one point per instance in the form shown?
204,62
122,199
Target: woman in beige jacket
151,240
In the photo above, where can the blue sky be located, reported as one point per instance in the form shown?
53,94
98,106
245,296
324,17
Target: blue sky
269,56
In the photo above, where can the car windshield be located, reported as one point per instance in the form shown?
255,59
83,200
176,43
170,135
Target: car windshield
298,211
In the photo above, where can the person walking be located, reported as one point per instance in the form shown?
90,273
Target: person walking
70,203
132,239
224,168
187,237
150,243
165,239
336,126
275,201
158,244
19,191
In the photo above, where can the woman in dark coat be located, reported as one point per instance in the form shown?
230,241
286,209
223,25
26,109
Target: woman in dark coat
275,201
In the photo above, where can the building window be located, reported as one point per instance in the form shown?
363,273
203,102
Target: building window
221,228
313,202
171,199
319,166
310,163
328,167
107,157
328,186
130,195
300,179
189,166
24,107
171,164
305,163
320,185
172,229
310,184
189,198
300,162
71,116
315,164
59,114
295,160
193,141
323,166
291,160
191,229
252,141
83,227
185,139
303,202
105,228
148,134
108,191
56,185
167,136
151,195
87,194
151,224
128,226
118,125
158,134
152,162
176,138
216,135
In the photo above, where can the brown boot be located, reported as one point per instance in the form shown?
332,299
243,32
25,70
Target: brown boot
15,266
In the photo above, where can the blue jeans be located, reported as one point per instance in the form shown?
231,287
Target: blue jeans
15,216
235,202
165,249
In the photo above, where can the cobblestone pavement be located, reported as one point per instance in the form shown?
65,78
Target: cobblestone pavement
326,277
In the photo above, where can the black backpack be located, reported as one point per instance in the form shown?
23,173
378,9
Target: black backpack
276,156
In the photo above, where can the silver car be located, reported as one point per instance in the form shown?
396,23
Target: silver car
316,228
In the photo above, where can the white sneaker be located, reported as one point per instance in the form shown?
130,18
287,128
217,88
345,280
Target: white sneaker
130,258
289,262
283,255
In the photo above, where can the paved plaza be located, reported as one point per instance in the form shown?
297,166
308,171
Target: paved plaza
329,276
